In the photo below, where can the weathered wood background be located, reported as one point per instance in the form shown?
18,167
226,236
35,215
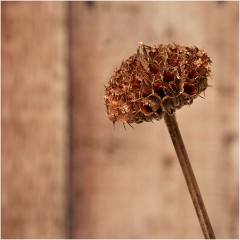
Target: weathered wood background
65,172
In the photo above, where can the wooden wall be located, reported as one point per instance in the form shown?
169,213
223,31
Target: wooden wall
35,119
66,173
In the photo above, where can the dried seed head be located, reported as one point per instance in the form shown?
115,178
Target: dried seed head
156,80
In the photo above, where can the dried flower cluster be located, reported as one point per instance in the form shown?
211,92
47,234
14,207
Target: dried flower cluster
156,80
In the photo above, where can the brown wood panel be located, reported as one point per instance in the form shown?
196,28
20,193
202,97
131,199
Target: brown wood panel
128,184
34,120
125,184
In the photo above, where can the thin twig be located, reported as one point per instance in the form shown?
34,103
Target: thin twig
193,188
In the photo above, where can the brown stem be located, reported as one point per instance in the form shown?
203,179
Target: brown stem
189,176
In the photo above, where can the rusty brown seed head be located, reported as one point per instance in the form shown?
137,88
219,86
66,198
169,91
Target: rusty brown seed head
156,80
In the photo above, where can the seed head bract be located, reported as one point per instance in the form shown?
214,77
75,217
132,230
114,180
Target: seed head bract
154,81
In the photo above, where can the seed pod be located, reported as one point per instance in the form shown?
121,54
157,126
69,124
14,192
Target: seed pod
154,81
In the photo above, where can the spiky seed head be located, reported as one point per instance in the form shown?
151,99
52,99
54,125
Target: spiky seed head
156,80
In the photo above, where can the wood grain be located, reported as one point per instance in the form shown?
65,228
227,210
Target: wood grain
34,120
123,184
128,184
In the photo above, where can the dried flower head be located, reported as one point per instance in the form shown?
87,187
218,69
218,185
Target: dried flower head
156,80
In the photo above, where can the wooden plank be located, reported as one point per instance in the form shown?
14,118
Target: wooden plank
34,120
128,184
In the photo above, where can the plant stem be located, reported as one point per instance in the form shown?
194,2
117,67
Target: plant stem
189,176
